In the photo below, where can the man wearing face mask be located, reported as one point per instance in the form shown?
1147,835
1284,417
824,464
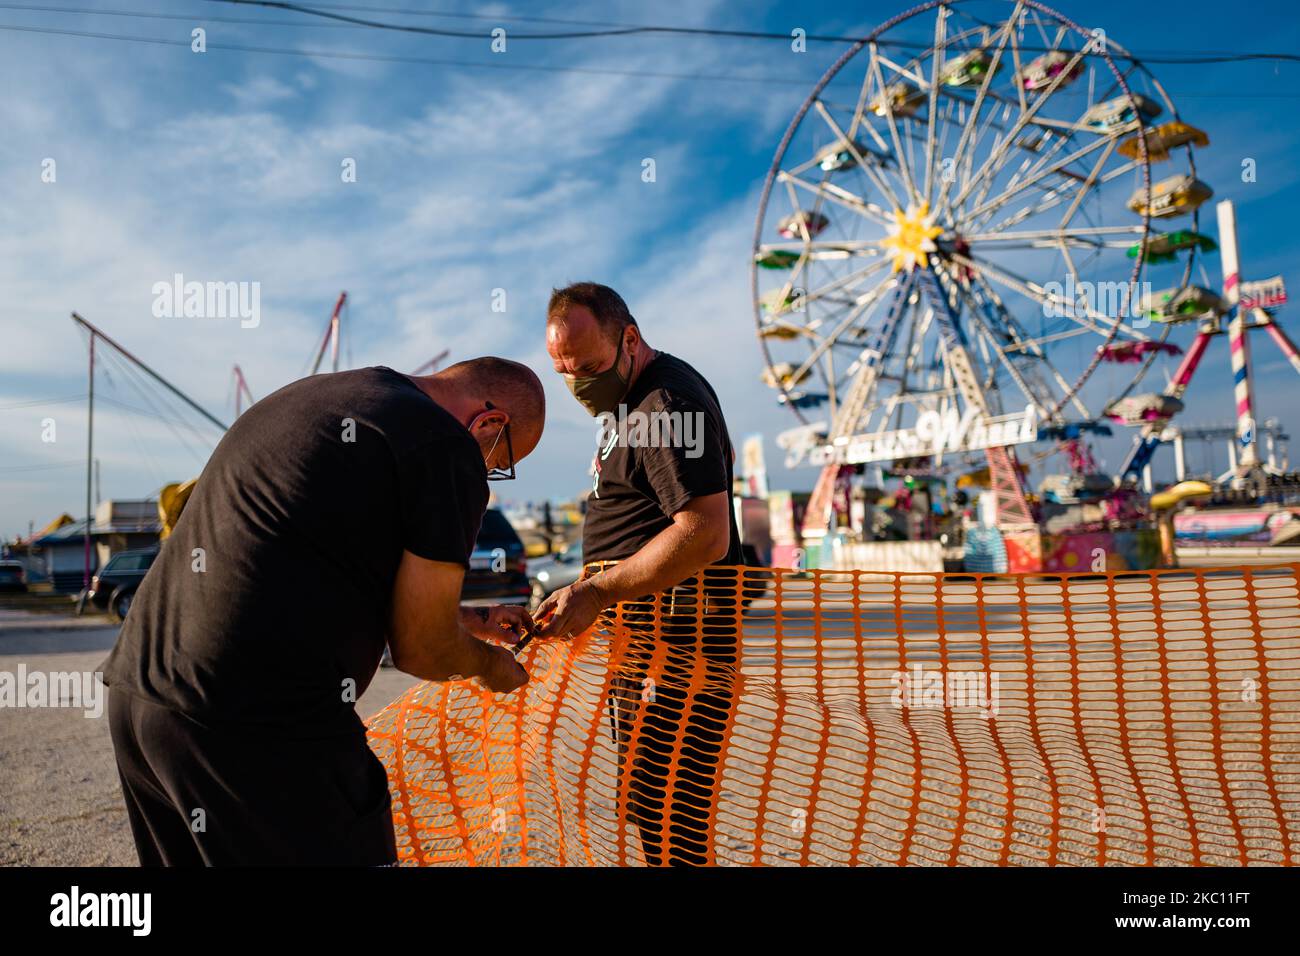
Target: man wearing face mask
334,516
659,515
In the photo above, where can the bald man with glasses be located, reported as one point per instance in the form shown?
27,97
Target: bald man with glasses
335,517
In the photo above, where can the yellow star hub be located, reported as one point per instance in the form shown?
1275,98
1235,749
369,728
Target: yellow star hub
911,237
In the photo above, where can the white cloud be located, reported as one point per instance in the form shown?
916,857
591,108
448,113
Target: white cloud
504,180
260,90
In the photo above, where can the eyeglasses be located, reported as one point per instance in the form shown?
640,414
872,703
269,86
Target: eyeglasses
502,474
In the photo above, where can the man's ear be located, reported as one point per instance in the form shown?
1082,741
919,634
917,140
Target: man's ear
631,347
490,422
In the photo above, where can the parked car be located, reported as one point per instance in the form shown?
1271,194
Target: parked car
13,576
498,569
113,587
554,572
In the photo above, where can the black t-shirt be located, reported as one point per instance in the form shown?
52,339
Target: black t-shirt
299,521
669,447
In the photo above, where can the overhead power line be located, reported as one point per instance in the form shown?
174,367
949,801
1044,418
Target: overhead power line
153,15
628,30
421,61
329,13
44,401
465,64
57,464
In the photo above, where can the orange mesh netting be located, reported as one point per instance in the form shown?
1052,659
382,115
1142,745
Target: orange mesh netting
871,718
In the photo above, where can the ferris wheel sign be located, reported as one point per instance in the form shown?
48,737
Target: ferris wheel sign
1263,293
935,433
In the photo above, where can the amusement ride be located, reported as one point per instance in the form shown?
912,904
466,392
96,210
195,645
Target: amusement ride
980,234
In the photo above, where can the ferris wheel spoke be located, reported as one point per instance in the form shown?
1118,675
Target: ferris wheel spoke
1026,345
1084,315
985,207
824,294
832,338
1052,305
859,114
990,123
864,104
1052,195
869,169
988,339
936,61
968,166
945,129
1076,236
800,220
1047,122
901,70
1072,270
1034,174
1087,186
1053,198
917,330
1069,137
904,167
915,141
805,166
847,248
840,197
802,264
995,163
992,162
908,136
1115,89
846,282
1006,30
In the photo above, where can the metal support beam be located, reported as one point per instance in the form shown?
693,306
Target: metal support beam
1242,381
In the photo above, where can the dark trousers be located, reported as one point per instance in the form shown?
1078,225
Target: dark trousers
684,706
197,796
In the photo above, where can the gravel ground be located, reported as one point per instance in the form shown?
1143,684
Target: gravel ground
60,804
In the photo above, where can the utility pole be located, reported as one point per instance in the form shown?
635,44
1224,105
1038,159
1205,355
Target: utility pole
90,457
95,335
147,370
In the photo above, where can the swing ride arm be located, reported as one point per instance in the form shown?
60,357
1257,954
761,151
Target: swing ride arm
1148,440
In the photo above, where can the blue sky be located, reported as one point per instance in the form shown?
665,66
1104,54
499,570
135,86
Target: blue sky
473,174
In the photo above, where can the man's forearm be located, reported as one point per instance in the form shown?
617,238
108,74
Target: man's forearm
471,617
460,655
669,558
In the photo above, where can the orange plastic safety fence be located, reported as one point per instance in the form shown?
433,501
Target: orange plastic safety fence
851,717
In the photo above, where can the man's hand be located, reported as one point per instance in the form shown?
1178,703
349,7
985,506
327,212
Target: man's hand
571,610
501,672
504,622
427,632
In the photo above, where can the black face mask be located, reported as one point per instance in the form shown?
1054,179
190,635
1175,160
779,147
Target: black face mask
600,393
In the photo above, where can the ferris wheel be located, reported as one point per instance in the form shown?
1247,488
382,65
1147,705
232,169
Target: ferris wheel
976,208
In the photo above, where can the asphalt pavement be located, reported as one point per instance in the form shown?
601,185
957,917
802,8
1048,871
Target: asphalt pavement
60,802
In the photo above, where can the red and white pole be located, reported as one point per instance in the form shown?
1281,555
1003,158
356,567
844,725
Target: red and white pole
1242,382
